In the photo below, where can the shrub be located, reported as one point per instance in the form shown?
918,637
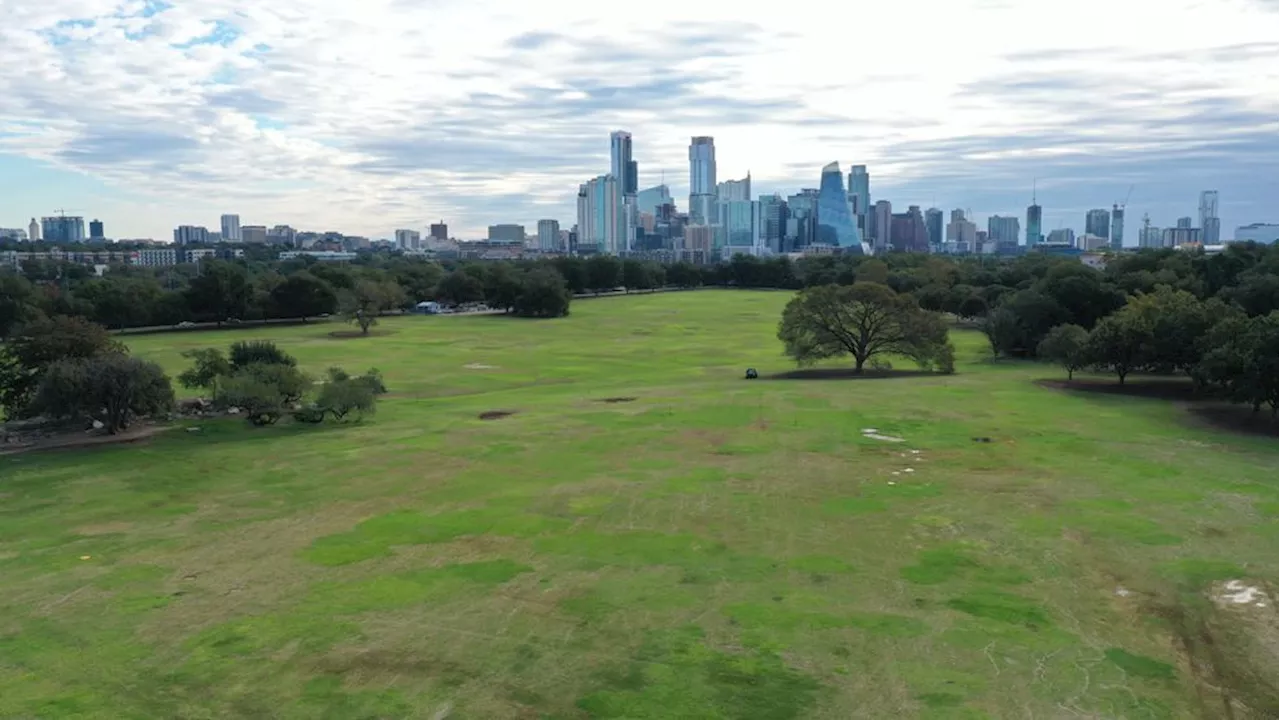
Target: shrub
113,389
259,352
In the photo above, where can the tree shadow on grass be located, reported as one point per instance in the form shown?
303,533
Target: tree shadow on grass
1202,407
356,334
846,374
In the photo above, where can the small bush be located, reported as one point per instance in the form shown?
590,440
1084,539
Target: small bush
259,352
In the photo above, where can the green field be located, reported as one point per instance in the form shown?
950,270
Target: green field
715,548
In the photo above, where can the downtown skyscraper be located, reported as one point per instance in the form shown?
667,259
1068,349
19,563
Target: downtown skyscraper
860,196
621,164
702,180
1210,225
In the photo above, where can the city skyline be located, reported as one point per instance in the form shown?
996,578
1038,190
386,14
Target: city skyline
490,121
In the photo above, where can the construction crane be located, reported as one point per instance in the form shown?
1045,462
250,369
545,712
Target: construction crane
1125,202
62,212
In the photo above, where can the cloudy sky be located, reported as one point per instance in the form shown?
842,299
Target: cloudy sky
367,116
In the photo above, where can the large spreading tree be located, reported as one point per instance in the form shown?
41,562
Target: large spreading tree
864,320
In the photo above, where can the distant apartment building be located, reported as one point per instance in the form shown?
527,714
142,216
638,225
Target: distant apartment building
1184,223
190,234
231,231
282,235
439,231
908,231
158,257
62,229
1098,222
253,234
1210,225
962,235
934,224
1117,227
1257,232
1003,229
549,235
1034,217
506,233
1062,236
1151,237
1089,241
13,234
408,239
601,219
881,226
96,230
1178,236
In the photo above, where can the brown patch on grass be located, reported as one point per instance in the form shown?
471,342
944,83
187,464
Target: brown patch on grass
496,414
353,334
79,439
612,400
845,374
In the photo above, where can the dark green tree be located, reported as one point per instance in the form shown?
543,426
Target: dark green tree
542,294
1066,345
37,345
303,295
222,291
112,388
1240,359
604,273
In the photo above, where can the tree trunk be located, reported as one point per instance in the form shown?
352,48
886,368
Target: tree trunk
1070,373
1122,373
857,364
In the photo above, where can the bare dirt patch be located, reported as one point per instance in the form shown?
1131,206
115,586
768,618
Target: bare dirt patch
496,414
846,374
612,400
79,439
1203,408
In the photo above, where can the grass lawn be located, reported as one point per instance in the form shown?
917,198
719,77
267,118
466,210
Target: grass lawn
714,548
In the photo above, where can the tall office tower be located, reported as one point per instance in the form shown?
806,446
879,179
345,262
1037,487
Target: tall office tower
737,225
601,219
835,215
702,180
548,235
770,222
860,192
231,229
1033,223
650,199
408,239
802,217
62,229
96,230
907,232
1098,222
621,166
1003,229
1184,223
734,190
962,235
506,232
33,231
1210,225
1117,227
934,226
439,231
881,225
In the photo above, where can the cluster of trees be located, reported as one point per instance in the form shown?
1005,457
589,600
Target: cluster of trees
1220,346
263,382
70,369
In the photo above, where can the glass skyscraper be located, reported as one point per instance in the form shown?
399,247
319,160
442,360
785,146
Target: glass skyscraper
835,216
621,166
1033,224
860,192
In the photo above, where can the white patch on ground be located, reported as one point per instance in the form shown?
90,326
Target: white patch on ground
877,436
909,470
1236,592
892,482
478,366
868,430
1122,592
895,472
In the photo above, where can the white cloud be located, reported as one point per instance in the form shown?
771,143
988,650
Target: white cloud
385,113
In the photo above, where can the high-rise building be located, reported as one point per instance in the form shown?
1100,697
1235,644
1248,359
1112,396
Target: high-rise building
962,235
860,196
1089,241
737,224
96,231
283,235
770,223
621,166
702,180
62,229
835,215
907,232
33,231
1117,227
1257,232
1098,222
255,234
190,234
1003,229
1175,237
1210,225
408,239
548,235
935,227
439,231
650,199
881,225
734,190
1033,224
506,232
1184,222
1062,236
802,220
231,228
601,220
